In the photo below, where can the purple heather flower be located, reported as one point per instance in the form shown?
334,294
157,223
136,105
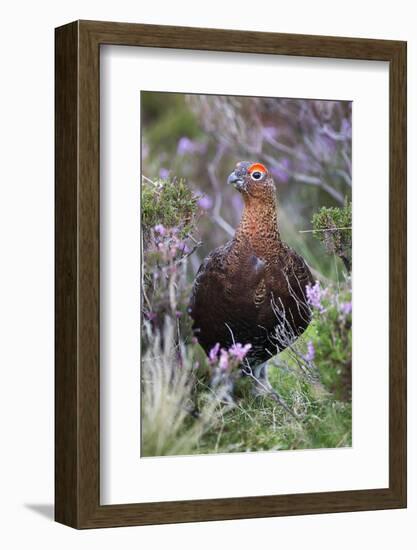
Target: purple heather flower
239,352
311,352
214,352
205,202
164,173
346,308
315,295
270,132
160,229
224,359
183,247
185,146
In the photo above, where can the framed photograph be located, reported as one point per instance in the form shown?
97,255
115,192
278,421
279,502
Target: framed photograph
230,274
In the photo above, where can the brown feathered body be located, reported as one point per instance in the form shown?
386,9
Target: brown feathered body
252,289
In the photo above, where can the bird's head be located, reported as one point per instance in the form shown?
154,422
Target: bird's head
252,179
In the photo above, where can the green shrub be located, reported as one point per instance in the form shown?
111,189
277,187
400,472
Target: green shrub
169,210
333,226
167,202
331,337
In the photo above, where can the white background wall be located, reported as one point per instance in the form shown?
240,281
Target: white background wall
26,272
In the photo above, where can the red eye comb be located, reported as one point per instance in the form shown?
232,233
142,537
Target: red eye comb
258,167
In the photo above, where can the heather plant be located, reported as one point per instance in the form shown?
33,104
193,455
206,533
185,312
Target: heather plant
169,211
169,203
333,227
224,367
305,142
170,387
330,343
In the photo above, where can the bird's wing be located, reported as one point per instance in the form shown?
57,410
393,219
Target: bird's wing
297,277
210,271
297,270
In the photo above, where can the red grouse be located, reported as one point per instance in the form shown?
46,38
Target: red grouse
253,288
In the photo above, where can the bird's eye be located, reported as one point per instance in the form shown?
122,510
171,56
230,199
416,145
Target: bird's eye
256,175
257,171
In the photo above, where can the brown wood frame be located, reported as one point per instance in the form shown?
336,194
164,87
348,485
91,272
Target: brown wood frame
77,274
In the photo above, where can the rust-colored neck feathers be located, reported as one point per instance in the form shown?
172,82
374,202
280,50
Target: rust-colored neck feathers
258,227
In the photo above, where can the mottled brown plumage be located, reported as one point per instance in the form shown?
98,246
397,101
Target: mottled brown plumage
252,289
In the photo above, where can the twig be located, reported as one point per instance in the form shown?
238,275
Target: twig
323,230
148,179
271,392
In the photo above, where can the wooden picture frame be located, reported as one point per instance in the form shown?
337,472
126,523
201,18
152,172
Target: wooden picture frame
77,382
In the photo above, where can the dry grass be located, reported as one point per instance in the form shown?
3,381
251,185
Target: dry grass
169,424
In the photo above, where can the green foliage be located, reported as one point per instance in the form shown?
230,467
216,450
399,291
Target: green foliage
331,335
333,226
174,383
169,202
169,209
258,423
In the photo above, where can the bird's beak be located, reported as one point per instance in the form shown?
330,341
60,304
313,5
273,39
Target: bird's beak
235,180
